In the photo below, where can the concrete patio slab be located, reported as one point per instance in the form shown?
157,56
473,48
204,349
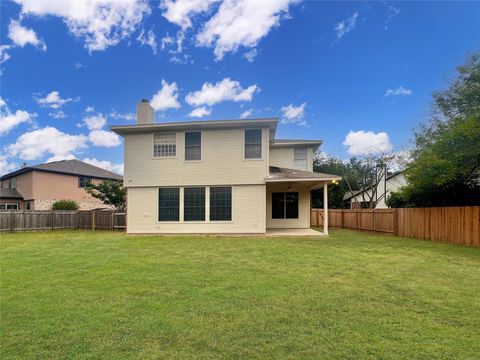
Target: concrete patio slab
293,232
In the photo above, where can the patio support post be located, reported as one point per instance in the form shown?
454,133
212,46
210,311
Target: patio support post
325,208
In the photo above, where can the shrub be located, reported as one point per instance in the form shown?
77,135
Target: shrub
65,205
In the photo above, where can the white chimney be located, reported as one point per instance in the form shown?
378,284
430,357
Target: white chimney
145,112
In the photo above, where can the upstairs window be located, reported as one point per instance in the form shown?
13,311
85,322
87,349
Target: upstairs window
194,204
300,158
165,145
253,144
285,205
12,183
193,145
84,181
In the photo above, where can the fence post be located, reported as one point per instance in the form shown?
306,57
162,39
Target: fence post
113,219
12,221
93,220
395,222
53,219
342,216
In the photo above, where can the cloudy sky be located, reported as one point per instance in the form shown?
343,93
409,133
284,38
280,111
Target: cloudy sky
358,75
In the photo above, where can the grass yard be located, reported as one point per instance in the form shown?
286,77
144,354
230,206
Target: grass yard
102,295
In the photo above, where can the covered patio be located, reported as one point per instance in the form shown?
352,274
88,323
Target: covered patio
288,193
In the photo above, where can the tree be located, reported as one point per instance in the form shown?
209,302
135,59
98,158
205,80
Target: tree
329,165
445,168
110,192
65,205
357,174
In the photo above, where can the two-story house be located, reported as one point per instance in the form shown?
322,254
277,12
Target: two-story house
38,187
216,176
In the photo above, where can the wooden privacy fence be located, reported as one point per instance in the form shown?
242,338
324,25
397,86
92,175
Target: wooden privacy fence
456,225
30,220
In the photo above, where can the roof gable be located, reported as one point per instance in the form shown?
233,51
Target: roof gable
68,167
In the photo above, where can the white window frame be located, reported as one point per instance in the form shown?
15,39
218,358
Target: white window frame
297,167
12,182
173,142
185,146
5,205
245,144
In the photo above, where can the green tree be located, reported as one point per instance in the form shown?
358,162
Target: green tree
110,192
65,205
445,167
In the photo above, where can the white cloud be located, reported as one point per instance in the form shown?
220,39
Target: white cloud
60,158
35,144
294,114
9,120
400,91
89,109
251,55
127,116
166,41
79,65
200,112
6,166
241,23
224,90
58,114
180,12
105,164
392,11
54,100
166,97
148,39
102,23
367,142
345,26
21,36
94,122
4,56
246,114
104,138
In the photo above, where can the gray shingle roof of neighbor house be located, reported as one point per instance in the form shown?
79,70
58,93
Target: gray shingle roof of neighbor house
10,194
68,167
283,174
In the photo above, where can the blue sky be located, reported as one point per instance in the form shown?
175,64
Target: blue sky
358,75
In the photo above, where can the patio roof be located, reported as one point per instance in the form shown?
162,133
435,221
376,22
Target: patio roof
10,194
279,174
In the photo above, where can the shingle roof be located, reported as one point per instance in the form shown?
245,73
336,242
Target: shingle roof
10,194
70,167
278,174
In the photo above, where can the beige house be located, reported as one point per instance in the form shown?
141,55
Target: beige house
216,176
38,187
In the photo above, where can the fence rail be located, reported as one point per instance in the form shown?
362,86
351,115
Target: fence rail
456,225
30,220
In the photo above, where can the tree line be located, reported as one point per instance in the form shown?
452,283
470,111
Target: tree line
443,168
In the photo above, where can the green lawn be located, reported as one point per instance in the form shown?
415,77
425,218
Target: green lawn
102,295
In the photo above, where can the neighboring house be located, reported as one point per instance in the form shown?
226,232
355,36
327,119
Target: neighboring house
386,185
38,187
216,176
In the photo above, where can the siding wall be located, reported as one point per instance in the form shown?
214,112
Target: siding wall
248,213
222,161
284,157
303,220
